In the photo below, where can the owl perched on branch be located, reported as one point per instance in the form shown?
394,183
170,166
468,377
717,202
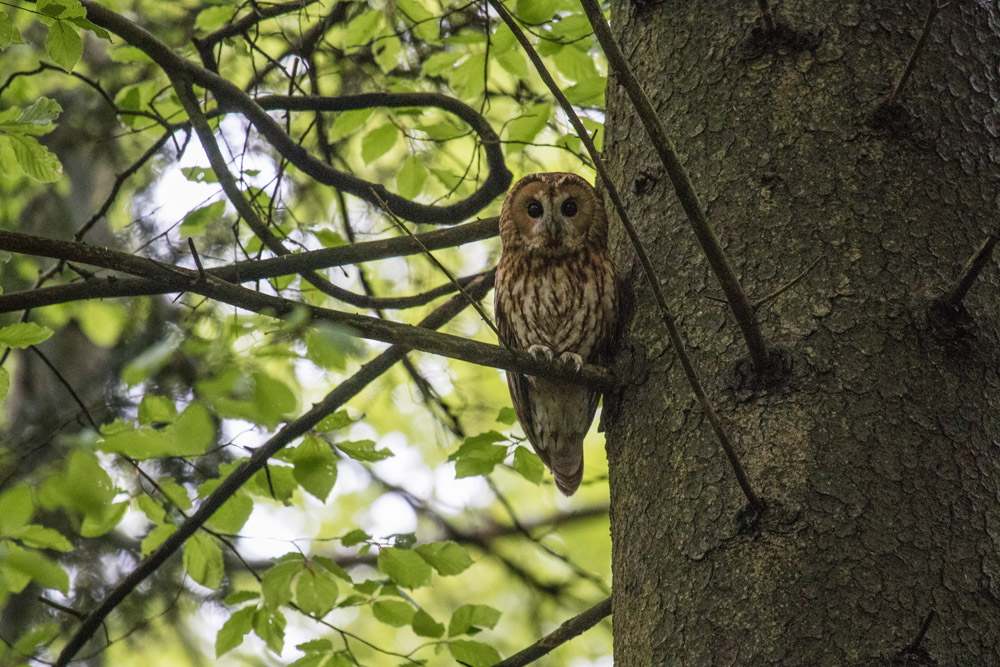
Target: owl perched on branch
556,297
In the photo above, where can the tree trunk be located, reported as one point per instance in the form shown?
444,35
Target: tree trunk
877,453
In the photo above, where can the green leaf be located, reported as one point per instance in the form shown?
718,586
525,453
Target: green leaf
156,537
527,126
473,654
315,466
536,11
441,62
276,584
334,422
478,456
8,33
41,114
527,463
60,9
362,28
393,612
4,384
41,537
234,630
269,624
98,523
356,536
411,177
36,639
212,18
425,626
333,568
16,509
198,174
363,450
86,24
196,221
378,142
471,618
34,159
446,557
64,45
316,591
405,568
347,122
241,596
203,560
156,409
193,431
34,565
23,334
507,416
233,513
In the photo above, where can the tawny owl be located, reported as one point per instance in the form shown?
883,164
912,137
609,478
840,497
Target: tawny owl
556,298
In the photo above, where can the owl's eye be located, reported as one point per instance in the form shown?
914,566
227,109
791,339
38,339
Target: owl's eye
535,209
569,208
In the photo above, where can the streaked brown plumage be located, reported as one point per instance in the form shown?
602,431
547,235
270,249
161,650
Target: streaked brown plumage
555,298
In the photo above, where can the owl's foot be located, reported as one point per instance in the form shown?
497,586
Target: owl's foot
572,358
541,352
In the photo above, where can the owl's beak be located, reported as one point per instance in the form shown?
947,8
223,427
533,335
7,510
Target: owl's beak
553,229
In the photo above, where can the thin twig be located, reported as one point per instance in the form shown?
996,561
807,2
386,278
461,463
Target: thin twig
197,259
60,607
915,644
956,293
444,269
904,76
568,630
787,286
668,319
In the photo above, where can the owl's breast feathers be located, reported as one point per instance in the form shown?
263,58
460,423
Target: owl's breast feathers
567,304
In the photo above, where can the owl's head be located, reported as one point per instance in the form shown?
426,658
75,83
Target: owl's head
552,214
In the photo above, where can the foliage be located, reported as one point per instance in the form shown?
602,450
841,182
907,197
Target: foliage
412,526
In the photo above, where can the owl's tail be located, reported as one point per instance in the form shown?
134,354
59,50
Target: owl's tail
567,466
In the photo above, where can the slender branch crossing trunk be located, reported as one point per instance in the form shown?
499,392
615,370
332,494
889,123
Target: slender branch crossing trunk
877,453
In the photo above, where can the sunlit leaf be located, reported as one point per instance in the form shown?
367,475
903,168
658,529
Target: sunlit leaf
527,463
425,626
446,557
363,450
393,612
64,45
203,560
23,334
404,567
473,654
234,630
315,466
471,618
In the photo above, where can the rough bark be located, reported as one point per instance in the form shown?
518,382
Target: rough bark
878,452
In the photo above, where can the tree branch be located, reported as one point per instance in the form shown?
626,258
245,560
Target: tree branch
232,98
568,630
176,279
259,269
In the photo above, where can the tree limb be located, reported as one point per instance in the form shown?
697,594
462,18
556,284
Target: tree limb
176,279
568,630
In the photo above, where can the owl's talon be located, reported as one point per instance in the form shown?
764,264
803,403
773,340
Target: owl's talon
540,352
572,358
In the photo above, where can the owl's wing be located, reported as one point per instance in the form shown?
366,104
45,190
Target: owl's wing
518,384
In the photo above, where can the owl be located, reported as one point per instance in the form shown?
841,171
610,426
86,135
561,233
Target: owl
556,298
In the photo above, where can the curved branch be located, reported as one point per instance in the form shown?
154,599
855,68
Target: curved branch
236,479
232,98
258,269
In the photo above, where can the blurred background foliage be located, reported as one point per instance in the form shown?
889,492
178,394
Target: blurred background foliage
413,527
